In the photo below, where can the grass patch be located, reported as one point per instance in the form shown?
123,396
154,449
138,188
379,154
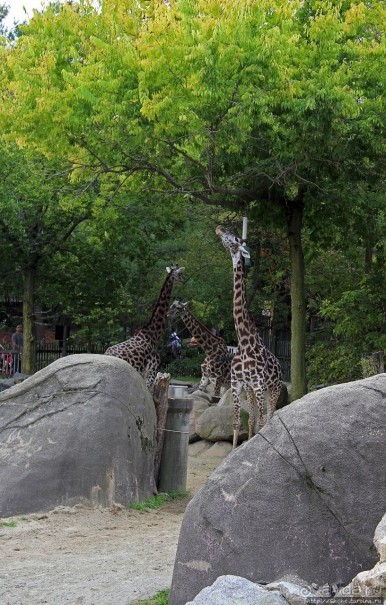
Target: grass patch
161,598
157,501
7,523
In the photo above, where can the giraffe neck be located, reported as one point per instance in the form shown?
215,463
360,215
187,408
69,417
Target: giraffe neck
244,326
205,338
157,322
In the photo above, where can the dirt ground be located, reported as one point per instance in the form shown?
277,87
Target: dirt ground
82,556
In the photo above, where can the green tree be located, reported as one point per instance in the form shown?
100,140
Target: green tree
345,284
4,10
40,210
274,108
283,121
109,275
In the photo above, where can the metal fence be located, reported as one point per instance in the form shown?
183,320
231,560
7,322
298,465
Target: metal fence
281,348
47,353
10,362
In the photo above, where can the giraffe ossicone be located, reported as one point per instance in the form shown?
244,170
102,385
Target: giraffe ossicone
140,350
254,368
216,366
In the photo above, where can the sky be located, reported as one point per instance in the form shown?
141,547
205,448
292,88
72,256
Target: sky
16,11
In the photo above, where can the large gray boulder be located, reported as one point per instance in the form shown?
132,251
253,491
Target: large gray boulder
227,590
216,422
303,497
81,430
199,406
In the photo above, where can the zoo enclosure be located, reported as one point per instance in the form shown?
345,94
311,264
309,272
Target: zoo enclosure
47,353
10,363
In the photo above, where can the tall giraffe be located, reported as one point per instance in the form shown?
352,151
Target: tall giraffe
254,368
140,350
216,367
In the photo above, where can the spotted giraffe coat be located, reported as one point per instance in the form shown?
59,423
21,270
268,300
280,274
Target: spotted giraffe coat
254,368
216,367
140,351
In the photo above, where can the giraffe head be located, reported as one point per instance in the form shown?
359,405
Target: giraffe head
235,245
177,309
176,273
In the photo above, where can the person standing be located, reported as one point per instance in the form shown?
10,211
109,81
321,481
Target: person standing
175,343
17,346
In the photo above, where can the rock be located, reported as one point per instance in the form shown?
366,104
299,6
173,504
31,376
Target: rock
201,395
216,424
199,406
380,539
20,377
7,383
283,400
371,583
199,448
303,497
233,589
220,450
80,430
210,450
295,591
227,400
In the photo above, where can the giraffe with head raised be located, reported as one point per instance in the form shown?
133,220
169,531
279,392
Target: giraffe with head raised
140,351
216,367
254,368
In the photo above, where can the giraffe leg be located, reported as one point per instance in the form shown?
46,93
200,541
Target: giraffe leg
150,373
203,383
274,396
251,406
150,380
217,387
236,416
236,425
258,391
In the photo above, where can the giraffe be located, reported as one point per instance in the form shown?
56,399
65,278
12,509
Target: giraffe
216,367
140,350
254,368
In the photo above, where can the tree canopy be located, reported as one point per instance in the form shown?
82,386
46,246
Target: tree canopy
275,109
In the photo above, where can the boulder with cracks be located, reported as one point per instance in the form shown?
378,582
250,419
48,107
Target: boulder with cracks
81,430
303,497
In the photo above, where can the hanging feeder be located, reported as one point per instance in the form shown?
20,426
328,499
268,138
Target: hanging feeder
247,257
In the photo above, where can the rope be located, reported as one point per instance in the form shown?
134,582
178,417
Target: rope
170,431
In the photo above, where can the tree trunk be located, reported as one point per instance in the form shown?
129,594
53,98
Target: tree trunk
65,336
28,355
298,306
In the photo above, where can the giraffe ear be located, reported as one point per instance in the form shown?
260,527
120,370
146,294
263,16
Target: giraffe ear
244,251
168,269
